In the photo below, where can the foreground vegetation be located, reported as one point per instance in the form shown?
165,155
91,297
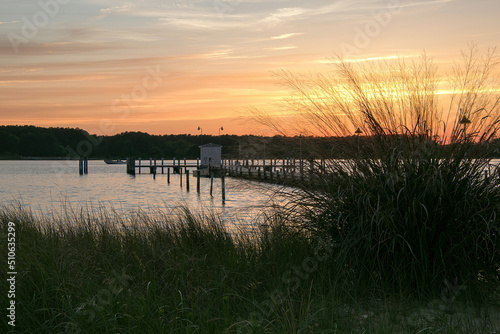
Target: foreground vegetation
401,235
414,202
98,272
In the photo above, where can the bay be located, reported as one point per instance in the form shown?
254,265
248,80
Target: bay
47,187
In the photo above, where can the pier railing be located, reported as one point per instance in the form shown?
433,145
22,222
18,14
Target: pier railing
257,169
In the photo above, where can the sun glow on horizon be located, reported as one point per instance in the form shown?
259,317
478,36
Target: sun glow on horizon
167,67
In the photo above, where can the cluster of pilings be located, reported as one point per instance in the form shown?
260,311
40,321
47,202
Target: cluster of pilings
83,165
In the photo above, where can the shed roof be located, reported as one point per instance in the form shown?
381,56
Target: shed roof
211,145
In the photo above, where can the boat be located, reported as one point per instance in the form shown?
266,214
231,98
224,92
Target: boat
115,162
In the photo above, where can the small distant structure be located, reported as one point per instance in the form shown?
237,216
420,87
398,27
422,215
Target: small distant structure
211,155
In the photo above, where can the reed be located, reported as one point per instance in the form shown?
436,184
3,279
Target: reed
409,204
97,271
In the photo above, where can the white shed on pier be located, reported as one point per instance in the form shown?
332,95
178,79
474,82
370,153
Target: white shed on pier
211,155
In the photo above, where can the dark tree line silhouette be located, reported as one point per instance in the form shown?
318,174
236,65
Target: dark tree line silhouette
31,141
18,142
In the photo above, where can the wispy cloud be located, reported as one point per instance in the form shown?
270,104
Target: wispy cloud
283,48
286,35
364,59
16,21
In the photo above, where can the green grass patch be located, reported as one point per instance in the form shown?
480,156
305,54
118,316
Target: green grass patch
99,272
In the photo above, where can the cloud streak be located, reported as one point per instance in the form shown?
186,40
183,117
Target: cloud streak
218,61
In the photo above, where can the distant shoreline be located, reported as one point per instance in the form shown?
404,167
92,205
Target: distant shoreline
43,158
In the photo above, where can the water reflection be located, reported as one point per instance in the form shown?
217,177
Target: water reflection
50,187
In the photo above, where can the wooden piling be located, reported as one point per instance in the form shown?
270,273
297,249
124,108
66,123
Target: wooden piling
264,164
162,164
80,166
211,183
83,166
198,181
131,166
139,165
180,174
168,175
301,169
223,186
187,179
152,167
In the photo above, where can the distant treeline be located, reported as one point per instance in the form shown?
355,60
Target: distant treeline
18,142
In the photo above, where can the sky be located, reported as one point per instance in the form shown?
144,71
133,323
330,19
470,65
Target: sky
180,66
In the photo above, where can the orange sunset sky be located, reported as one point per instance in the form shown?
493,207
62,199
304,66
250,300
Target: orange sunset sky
169,67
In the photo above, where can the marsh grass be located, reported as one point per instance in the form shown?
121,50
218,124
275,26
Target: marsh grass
101,272
408,202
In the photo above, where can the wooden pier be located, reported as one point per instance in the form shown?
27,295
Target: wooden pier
155,165
281,170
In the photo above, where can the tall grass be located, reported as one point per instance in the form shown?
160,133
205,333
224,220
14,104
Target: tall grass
100,272
409,205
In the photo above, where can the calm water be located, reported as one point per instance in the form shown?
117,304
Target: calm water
46,186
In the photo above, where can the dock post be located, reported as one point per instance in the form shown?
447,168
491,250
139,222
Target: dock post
162,164
187,179
223,184
198,162
198,181
264,164
311,171
168,175
180,175
154,171
80,166
86,167
301,162
139,165
132,166
211,183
